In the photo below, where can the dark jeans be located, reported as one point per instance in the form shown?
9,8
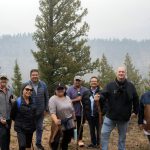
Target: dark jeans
39,128
5,136
94,129
79,130
24,140
65,140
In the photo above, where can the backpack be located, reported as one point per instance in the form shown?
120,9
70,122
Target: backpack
19,102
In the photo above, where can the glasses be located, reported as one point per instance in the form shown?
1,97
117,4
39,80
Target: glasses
27,89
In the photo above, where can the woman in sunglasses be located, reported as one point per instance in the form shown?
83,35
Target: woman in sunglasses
63,117
24,114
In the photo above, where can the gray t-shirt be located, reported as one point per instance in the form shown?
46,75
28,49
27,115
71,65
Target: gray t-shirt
61,107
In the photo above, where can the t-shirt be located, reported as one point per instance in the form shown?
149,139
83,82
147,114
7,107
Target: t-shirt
72,92
61,107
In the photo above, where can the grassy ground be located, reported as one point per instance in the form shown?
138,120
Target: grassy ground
135,138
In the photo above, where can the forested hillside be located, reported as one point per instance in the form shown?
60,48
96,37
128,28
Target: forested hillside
19,47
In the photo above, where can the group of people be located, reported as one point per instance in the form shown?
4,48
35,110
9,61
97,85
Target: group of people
69,108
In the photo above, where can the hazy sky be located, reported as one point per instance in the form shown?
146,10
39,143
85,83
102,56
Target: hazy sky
107,18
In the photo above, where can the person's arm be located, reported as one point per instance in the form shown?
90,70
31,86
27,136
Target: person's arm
76,99
46,94
52,110
135,102
141,112
55,119
14,111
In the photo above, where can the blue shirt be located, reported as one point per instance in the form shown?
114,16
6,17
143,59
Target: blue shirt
72,92
92,100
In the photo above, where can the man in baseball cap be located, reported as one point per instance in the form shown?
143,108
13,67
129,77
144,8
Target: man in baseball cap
75,93
5,108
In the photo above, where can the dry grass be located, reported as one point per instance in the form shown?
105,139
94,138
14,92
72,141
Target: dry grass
135,138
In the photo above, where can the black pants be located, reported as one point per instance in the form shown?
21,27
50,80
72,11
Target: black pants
94,129
5,136
24,139
79,130
66,139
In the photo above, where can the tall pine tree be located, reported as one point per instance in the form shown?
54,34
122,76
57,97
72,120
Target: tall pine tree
61,41
106,72
17,80
133,74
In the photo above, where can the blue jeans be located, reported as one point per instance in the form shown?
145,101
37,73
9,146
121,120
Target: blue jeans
108,126
39,129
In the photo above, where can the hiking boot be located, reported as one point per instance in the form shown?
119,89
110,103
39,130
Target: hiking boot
39,147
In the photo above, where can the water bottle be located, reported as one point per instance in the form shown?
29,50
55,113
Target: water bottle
75,134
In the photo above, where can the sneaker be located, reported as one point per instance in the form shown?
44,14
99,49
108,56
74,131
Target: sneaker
80,143
39,147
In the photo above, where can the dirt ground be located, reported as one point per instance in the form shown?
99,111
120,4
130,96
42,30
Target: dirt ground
136,140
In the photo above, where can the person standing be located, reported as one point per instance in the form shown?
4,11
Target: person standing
6,96
63,116
122,104
144,114
75,93
41,97
93,111
24,113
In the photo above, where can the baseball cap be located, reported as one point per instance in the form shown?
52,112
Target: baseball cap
3,75
60,86
78,78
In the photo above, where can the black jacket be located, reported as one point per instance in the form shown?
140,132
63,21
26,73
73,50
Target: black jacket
87,103
24,116
122,100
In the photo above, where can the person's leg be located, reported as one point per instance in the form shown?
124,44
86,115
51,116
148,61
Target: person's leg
39,131
21,140
148,136
122,129
97,126
91,123
79,128
8,134
107,127
67,135
29,140
3,137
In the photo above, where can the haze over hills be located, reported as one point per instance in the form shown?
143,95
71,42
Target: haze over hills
19,47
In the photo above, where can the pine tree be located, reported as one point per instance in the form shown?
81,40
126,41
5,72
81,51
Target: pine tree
106,72
61,40
133,74
17,80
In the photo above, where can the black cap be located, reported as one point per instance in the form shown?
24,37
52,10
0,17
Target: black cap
60,86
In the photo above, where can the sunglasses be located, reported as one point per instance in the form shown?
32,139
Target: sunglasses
27,89
78,80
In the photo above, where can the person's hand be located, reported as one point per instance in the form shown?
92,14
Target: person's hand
141,127
58,122
3,121
133,115
45,113
97,97
79,98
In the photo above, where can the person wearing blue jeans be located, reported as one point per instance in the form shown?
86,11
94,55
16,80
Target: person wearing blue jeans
122,104
108,126
40,96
